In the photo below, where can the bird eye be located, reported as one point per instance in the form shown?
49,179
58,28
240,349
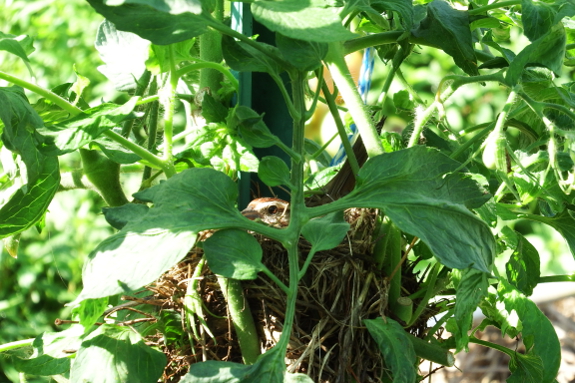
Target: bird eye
272,209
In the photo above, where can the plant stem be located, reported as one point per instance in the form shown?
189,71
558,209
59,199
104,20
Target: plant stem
143,82
152,127
17,344
432,352
430,292
344,82
210,65
495,5
242,318
61,102
557,278
340,129
169,101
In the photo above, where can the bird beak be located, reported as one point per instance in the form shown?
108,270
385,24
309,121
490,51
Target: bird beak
250,214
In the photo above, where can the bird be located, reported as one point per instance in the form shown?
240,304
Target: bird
275,211
271,211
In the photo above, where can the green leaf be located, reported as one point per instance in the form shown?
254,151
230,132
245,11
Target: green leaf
304,55
116,354
397,349
114,151
523,268
403,7
245,58
448,29
471,290
525,368
273,171
51,352
547,51
564,224
269,368
189,202
119,216
538,333
326,232
252,128
171,324
537,18
418,190
234,254
20,46
300,20
161,22
124,55
212,110
28,204
159,61
90,310
72,134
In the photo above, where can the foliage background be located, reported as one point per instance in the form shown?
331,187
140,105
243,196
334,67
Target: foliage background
47,273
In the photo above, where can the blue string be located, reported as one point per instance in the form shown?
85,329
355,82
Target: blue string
364,84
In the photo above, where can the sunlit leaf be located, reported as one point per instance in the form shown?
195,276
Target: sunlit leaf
299,20
116,354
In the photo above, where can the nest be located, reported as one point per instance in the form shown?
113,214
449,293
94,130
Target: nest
329,341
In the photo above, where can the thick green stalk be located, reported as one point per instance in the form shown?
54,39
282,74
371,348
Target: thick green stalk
342,78
104,174
169,102
211,51
298,216
432,352
242,318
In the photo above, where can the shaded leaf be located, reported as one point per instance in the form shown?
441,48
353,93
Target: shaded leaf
523,268
244,58
448,29
403,7
537,17
397,349
326,232
252,128
273,171
304,55
547,51
234,254
471,290
538,333
116,354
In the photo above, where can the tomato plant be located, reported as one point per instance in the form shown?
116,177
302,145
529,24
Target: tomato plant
434,195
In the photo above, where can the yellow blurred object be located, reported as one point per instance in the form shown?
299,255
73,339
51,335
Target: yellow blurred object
314,130
11,245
